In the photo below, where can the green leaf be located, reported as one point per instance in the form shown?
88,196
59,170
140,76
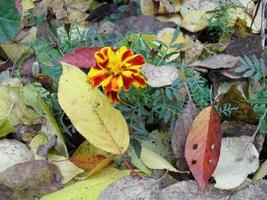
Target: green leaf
9,20
5,127
249,73
175,35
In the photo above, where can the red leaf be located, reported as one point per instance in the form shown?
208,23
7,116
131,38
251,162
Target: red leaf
83,57
202,148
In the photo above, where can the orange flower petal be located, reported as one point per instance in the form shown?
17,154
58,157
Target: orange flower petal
96,77
135,60
139,81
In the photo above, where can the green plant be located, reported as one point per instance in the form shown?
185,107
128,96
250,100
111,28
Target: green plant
218,25
252,68
226,110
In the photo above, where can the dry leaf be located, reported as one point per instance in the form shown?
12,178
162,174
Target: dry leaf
67,169
182,126
132,188
195,21
159,76
29,180
262,172
220,61
91,112
202,148
13,152
238,159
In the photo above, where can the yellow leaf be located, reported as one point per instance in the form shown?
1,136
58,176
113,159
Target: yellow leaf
166,34
147,7
171,18
91,113
262,172
67,169
90,188
154,161
195,21
27,5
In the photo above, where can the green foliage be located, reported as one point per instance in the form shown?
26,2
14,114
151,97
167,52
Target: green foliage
226,110
9,20
219,23
252,68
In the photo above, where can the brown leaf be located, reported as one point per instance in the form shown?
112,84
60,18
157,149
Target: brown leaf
245,110
181,130
202,147
29,180
187,190
43,149
221,61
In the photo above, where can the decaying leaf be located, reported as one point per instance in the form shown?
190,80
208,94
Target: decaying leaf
202,147
236,99
131,154
13,152
29,180
90,188
83,57
154,161
36,142
67,169
160,143
187,190
91,113
132,188
262,172
159,76
87,156
195,21
220,61
238,159
182,126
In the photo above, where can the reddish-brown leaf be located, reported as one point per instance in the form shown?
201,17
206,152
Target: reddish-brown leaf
203,143
87,161
83,57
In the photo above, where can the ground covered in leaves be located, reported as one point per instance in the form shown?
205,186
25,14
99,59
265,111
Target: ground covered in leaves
132,99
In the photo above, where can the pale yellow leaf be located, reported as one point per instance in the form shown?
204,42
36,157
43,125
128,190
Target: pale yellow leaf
90,188
154,161
147,7
91,113
67,169
262,172
195,21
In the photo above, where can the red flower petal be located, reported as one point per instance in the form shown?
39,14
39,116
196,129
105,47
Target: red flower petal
97,80
127,81
126,54
137,60
113,96
141,81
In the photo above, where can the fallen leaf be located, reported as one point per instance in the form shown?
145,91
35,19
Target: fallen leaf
83,57
187,190
36,142
90,188
132,188
67,169
30,180
238,159
9,20
44,148
220,61
160,143
91,113
195,21
182,127
13,152
87,156
154,161
262,172
137,162
147,7
245,110
177,19
159,76
255,190
5,127
202,147
192,52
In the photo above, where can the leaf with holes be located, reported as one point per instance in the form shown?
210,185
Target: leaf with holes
83,57
202,148
91,112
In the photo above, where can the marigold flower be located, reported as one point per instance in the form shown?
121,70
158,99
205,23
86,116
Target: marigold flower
115,70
